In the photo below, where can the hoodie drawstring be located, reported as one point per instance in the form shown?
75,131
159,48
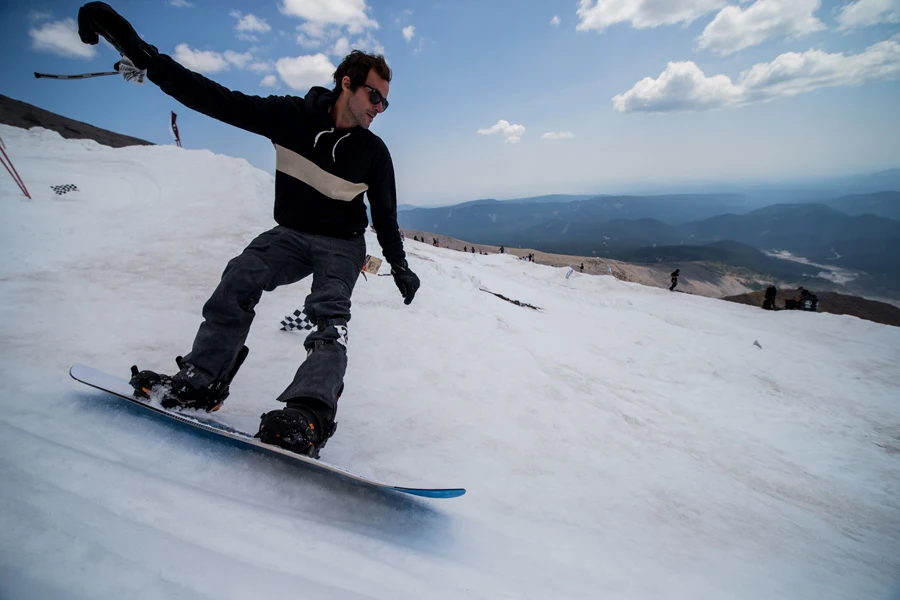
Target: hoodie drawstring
318,135
333,159
334,148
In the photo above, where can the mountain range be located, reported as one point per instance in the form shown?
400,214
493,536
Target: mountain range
859,232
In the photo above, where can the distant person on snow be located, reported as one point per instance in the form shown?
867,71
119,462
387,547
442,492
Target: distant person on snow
674,276
769,302
326,159
808,300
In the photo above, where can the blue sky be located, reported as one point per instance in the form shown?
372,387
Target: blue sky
498,98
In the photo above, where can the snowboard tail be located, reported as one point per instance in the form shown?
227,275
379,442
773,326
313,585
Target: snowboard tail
120,388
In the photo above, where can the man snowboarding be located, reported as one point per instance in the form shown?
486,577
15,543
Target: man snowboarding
674,277
326,159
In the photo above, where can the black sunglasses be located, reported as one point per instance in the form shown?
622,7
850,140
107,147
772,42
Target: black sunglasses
375,97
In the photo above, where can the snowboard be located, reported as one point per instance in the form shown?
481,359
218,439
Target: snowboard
201,423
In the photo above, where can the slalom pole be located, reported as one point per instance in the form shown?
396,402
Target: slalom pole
12,171
78,76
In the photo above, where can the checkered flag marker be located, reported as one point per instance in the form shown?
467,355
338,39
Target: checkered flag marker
296,321
64,188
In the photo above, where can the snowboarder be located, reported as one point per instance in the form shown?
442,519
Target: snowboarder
326,159
674,277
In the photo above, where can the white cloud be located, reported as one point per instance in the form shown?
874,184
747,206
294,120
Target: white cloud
240,60
346,13
734,28
181,3
206,61
269,81
863,13
318,31
308,42
341,47
261,67
557,135
684,87
331,23
512,133
250,23
246,37
38,15
555,21
60,37
367,43
600,14
304,72
408,32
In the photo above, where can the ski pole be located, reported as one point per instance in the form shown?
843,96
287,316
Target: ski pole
79,76
12,171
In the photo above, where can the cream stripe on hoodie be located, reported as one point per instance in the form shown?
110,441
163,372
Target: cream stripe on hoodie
336,188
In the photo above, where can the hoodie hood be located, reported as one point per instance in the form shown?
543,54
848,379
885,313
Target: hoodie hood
319,101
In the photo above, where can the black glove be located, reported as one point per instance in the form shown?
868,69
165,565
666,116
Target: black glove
98,18
406,280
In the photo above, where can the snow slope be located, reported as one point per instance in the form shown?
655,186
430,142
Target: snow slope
622,442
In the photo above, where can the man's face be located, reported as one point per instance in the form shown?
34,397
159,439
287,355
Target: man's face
360,104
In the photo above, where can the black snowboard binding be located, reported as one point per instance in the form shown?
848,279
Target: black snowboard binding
177,392
295,428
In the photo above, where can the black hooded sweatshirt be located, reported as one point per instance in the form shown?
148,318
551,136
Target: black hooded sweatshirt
321,172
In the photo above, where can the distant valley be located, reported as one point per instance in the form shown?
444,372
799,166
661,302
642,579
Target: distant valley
858,233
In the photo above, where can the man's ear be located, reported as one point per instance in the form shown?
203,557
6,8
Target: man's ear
345,82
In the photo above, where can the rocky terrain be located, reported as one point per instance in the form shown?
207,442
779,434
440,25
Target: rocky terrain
696,278
832,302
26,116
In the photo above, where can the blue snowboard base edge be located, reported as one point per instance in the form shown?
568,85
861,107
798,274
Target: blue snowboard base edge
120,388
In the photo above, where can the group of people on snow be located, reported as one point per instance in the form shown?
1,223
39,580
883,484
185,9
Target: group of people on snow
802,300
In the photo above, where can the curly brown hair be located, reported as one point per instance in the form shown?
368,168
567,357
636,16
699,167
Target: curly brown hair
357,65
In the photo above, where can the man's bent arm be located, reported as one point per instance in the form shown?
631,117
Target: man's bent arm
382,196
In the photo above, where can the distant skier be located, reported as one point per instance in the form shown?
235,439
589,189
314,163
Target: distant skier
769,302
582,267
326,159
674,277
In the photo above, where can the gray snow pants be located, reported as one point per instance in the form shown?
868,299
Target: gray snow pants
282,256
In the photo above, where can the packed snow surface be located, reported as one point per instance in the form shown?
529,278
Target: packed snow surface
621,442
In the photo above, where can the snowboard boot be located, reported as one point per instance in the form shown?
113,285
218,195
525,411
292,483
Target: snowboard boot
178,391
297,428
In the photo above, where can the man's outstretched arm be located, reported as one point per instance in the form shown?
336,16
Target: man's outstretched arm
252,113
